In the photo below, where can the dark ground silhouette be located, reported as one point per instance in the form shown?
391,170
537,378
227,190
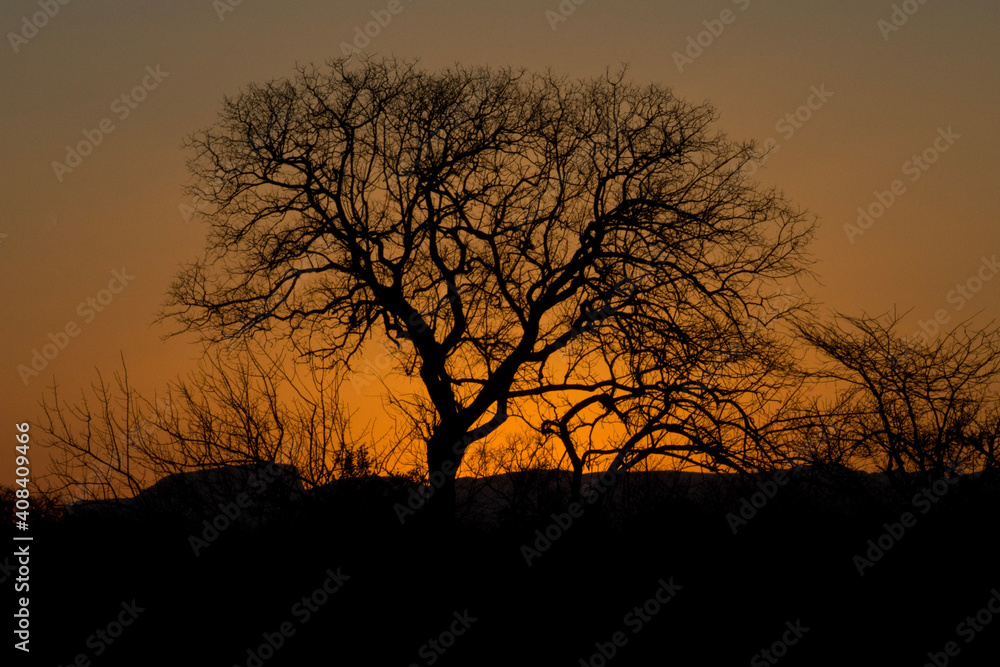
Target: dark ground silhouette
398,586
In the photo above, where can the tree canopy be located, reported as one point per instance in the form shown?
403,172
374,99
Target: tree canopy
499,228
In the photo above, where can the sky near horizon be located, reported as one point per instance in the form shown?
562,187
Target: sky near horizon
886,107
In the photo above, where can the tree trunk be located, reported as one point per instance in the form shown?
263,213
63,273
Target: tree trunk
445,451
442,466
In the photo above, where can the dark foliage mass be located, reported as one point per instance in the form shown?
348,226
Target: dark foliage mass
792,561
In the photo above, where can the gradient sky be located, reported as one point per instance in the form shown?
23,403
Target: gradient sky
892,92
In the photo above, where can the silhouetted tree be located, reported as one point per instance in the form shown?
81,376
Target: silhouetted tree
909,407
481,221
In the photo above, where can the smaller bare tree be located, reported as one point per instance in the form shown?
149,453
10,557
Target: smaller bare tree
909,408
245,407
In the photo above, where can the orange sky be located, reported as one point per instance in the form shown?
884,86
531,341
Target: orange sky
890,94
